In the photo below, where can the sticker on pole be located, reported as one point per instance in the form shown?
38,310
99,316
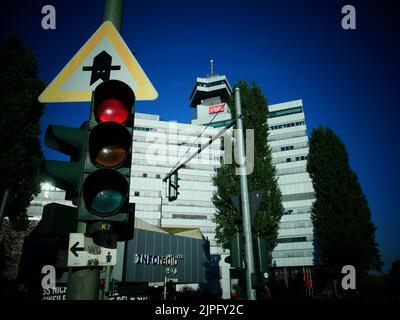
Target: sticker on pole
82,252
103,57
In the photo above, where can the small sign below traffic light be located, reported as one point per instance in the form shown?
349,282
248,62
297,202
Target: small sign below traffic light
83,252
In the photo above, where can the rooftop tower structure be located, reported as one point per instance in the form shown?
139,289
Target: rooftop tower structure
210,97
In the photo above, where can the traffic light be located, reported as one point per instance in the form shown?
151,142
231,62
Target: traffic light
261,261
62,174
262,255
173,187
104,196
235,258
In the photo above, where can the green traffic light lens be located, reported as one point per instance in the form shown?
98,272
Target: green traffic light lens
106,201
111,156
105,192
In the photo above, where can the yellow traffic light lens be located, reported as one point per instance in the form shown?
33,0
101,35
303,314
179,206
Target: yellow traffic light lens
106,201
111,156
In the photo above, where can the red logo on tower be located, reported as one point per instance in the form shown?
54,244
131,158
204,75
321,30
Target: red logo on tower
216,108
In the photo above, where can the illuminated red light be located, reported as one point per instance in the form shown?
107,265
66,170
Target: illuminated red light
112,110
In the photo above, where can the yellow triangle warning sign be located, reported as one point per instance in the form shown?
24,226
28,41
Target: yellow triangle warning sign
104,56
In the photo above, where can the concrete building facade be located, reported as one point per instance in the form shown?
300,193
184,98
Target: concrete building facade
289,145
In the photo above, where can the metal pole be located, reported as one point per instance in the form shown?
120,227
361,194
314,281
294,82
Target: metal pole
259,254
107,282
245,199
161,207
83,283
3,205
113,10
165,288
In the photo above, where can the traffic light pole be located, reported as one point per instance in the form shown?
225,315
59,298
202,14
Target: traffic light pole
83,283
245,199
113,10
107,282
3,205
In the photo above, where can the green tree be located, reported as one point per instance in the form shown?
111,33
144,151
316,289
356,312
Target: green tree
345,234
228,220
20,111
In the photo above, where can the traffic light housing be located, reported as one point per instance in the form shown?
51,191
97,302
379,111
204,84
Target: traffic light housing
235,258
261,254
62,174
104,195
173,187
261,261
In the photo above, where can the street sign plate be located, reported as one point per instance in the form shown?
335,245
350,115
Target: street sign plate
103,57
82,252
255,198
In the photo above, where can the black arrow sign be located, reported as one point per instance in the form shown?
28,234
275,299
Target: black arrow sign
75,248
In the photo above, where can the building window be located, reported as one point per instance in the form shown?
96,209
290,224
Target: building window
287,125
137,193
289,240
141,129
158,176
298,196
288,159
285,112
190,217
287,148
144,175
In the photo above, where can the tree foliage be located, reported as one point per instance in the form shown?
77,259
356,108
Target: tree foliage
344,231
228,220
20,111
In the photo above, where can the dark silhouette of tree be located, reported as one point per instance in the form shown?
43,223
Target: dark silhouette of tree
20,155
344,231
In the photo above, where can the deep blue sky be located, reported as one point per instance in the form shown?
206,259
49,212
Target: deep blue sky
348,80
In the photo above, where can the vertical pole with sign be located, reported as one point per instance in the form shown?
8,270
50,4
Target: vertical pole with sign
83,283
249,256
